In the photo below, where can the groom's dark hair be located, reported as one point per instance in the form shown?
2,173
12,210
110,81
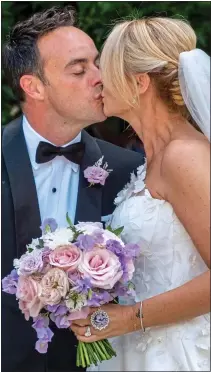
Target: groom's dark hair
20,52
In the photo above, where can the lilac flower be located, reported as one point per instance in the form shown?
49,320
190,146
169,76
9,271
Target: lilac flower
44,336
131,250
41,346
9,283
61,321
99,298
85,242
49,222
73,276
61,310
115,247
120,290
82,285
45,255
52,308
40,321
98,236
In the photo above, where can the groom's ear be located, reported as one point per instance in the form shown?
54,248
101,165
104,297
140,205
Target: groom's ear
32,86
143,82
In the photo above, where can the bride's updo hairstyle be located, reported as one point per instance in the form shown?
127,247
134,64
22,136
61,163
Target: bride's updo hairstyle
148,45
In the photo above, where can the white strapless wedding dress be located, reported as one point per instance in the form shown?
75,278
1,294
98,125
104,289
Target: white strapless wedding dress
168,259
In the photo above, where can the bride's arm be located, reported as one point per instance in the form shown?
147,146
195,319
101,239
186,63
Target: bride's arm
186,179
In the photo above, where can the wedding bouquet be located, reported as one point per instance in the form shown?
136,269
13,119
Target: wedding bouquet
66,271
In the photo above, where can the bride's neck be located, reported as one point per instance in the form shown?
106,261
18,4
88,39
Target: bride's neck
155,127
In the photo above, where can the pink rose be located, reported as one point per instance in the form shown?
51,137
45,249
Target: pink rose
66,257
96,175
102,267
28,292
54,285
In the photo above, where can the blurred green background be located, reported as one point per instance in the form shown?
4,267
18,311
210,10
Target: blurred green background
95,18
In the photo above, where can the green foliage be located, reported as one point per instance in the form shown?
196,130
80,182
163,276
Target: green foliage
96,19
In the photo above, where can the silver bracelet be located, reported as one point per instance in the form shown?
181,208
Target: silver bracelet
141,317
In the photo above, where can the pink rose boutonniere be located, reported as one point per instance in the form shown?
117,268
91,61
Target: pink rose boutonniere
97,173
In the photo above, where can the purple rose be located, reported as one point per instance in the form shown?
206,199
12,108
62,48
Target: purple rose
30,263
96,175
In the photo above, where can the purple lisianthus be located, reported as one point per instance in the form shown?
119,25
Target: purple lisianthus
96,175
9,283
49,222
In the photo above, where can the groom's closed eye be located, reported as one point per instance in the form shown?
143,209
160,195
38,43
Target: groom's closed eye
78,66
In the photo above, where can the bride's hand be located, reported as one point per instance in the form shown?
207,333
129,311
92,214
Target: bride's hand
122,319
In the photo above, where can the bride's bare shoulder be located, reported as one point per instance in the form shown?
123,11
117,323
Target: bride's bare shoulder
185,153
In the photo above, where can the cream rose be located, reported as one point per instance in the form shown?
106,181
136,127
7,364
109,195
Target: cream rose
54,285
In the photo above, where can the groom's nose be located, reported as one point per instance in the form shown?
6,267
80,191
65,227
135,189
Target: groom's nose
97,79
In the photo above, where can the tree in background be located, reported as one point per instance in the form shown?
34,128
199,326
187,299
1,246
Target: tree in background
96,19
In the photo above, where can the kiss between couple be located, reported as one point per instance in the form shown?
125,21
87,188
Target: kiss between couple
154,78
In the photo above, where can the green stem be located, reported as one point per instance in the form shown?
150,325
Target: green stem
100,352
92,352
104,349
85,353
82,355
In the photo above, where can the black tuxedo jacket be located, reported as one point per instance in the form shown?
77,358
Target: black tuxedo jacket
21,222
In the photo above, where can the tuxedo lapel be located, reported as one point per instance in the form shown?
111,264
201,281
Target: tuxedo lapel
89,202
25,201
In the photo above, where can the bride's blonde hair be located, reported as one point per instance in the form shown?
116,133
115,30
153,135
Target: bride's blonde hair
148,45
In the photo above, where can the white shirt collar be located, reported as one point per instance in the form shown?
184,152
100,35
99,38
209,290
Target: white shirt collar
32,141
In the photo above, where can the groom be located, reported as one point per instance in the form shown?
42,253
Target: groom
53,68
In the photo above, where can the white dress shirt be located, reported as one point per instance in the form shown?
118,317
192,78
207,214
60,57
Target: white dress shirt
56,181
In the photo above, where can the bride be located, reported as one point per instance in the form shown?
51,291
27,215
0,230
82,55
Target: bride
156,80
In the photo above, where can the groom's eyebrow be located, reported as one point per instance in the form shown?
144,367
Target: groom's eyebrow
76,61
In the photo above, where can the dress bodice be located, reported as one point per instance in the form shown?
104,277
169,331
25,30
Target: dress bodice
168,257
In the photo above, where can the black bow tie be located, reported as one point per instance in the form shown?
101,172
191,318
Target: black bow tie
46,152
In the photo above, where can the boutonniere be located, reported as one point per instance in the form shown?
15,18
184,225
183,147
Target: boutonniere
97,173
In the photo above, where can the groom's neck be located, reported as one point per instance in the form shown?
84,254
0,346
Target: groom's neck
53,128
